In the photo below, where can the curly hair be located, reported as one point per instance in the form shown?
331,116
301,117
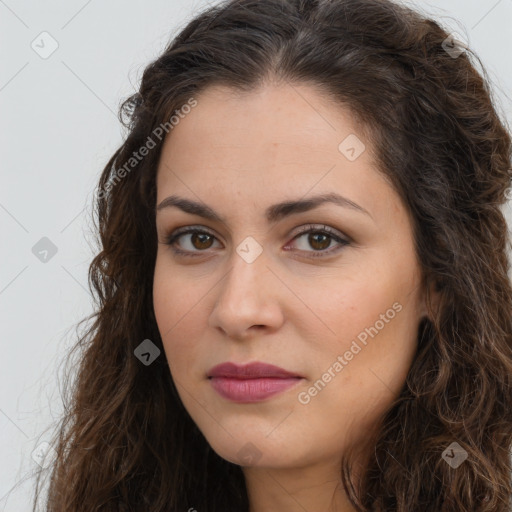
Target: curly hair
126,441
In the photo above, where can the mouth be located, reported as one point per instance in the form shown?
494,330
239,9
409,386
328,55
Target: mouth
253,382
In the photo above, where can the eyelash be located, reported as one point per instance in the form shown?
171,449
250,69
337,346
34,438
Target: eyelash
325,230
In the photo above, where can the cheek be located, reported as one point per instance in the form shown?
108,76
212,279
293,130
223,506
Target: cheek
174,295
374,354
347,396
176,306
348,307
371,342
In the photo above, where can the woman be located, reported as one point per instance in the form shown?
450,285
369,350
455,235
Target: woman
303,291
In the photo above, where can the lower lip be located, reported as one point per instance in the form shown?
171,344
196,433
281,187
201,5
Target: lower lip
251,390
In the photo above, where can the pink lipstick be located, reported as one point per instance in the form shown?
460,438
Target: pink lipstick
252,382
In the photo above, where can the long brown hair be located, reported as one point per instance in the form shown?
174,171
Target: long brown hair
127,443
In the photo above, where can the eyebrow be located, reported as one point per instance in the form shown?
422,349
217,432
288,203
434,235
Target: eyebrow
273,213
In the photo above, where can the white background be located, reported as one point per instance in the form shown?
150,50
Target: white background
58,128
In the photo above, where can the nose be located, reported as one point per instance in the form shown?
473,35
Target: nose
248,300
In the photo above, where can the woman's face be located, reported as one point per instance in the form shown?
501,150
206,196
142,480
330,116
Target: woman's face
338,310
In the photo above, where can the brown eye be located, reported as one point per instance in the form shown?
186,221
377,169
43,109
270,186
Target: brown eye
319,239
194,241
201,240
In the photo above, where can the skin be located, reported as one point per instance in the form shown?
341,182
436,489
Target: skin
240,153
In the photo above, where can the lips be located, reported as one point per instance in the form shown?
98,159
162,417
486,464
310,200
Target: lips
255,370
253,382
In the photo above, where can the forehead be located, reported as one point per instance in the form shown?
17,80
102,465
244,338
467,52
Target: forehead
299,116
260,145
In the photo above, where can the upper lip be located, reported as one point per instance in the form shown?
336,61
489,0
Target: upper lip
250,371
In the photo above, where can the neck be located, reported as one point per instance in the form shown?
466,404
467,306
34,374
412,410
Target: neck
296,489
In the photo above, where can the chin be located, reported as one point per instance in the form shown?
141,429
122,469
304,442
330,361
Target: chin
257,450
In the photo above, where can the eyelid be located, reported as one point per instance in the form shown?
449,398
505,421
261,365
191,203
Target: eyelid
339,237
300,230
321,227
